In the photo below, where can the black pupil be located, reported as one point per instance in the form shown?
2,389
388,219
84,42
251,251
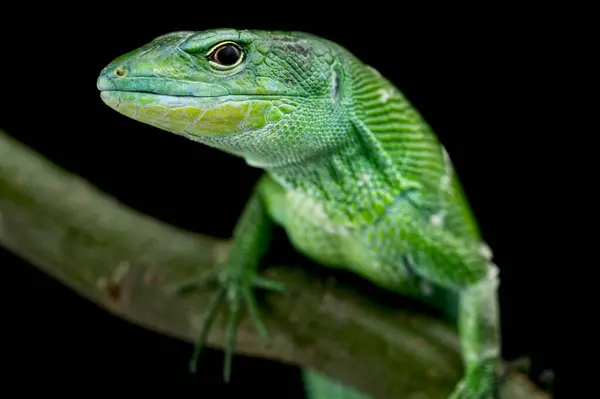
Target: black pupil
227,55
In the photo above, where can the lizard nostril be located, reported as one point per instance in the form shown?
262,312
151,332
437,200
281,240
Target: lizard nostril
120,72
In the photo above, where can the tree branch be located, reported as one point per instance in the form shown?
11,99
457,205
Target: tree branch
124,260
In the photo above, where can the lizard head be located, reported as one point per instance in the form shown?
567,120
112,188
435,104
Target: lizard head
270,97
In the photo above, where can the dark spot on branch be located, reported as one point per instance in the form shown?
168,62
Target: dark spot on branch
151,276
113,290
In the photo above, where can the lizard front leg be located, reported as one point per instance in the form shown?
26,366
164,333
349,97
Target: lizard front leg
237,278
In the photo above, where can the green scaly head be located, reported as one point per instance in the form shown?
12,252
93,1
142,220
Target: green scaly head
231,89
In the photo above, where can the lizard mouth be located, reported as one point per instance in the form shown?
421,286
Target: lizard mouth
116,91
156,86
151,86
108,92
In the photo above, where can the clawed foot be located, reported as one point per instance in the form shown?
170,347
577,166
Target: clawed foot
235,286
480,383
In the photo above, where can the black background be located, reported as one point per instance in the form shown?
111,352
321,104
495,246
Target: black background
474,74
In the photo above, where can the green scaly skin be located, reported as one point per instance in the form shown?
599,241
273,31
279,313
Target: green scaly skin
352,172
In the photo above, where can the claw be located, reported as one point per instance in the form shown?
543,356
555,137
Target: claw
192,285
268,284
234,314
254,314
209,317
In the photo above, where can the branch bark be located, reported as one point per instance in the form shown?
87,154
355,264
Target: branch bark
124,260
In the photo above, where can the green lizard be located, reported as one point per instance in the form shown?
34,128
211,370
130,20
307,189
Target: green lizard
353,174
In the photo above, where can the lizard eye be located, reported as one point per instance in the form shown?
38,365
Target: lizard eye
225,55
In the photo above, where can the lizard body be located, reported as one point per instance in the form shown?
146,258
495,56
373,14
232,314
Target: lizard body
354,175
